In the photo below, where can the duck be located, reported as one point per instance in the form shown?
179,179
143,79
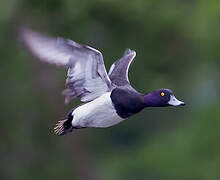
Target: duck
107,98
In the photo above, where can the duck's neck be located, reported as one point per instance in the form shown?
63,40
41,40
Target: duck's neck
150,101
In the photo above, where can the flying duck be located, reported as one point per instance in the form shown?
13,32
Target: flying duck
107,99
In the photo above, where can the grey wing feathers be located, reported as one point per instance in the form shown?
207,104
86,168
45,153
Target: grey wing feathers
118,72
86,78
51,50
83,80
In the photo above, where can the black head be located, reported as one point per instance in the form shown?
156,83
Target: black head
161,98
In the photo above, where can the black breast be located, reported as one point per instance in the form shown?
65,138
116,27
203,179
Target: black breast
126,102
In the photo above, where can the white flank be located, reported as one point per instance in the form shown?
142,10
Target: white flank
97,113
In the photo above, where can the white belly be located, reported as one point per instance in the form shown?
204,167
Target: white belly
97,113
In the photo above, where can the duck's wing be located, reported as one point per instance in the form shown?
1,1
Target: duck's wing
86,78
118,72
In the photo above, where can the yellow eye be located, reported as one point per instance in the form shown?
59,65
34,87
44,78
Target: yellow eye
162,94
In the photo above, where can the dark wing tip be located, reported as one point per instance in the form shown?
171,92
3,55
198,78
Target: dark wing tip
129,51
24,32
21,31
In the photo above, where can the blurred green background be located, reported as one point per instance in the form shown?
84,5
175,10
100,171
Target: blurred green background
178,47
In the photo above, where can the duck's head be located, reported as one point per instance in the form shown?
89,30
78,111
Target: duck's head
162,98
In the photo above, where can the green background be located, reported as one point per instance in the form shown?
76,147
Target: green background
178,47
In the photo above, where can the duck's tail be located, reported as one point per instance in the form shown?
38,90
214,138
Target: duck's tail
63,127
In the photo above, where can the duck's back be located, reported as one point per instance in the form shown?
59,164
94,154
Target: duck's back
126,101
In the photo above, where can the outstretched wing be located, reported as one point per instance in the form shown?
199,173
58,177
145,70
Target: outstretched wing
86,78
118,72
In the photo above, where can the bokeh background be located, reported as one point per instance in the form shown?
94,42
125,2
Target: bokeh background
178,47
